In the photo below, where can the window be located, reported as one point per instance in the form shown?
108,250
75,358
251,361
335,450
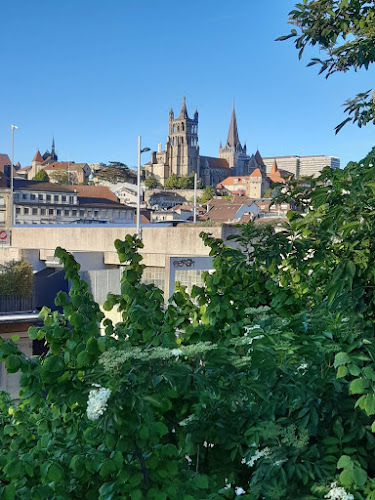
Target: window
58,212
71,199
66,212
74,212
81,213
40,197
24,196
26,211
63,198
18,210
48,197
56,197
89,213
32,197
35,211
43,211
96,213
50,211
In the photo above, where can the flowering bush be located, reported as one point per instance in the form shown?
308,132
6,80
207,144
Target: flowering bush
257,386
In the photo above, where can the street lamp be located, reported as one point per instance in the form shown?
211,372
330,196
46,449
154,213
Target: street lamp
140,151
12,127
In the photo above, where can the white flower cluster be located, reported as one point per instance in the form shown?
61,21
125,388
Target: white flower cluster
114,358
97,402
338,493
208,445
257,455
239,491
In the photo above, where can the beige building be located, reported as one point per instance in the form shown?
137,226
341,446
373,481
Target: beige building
303,166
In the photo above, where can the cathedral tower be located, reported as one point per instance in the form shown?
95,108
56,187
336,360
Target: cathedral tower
182,144
233,151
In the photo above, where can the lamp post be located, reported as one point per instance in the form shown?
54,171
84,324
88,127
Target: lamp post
12,219
140,151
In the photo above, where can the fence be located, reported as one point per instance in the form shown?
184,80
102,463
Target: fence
15,303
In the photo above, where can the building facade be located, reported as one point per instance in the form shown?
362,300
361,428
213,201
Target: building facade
303,166
47,203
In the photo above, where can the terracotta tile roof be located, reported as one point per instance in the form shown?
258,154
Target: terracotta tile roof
256,173
98,192
24,169
21,184
223,213
144,219
229,181
38,157
275,174
215,162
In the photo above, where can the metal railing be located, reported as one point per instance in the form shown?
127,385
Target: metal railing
15,303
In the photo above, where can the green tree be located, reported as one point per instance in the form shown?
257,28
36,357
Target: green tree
16,278
344,31
209,193
41,176
151,182
172,182
186,182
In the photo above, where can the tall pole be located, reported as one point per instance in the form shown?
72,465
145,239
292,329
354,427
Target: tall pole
12,219
195,199
139,233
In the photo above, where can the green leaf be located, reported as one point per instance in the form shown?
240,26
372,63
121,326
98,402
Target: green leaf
342,371
344,462
201,482
358,386
9,492
83,359
341,358
13,363
54,473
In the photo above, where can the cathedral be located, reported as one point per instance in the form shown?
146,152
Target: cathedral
182,157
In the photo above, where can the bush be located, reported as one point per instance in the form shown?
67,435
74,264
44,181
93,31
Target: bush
257,386
16,278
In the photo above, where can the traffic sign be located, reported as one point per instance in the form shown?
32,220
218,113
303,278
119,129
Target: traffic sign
4,237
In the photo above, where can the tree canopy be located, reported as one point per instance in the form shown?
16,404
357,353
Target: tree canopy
344,31
41,176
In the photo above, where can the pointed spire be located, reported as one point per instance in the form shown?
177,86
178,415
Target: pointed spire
183,112
38,157
274,168
232,139
53,145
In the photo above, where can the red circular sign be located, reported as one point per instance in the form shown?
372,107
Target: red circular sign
3,235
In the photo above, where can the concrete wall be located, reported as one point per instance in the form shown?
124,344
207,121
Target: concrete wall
158,241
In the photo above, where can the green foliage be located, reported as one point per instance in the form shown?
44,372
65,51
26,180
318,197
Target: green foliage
41,176
258,385
151,182
16,278
209,193
180,182
344,30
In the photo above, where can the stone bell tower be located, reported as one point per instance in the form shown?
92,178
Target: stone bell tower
182,143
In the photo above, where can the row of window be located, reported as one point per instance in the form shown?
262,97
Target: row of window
56,198
82,212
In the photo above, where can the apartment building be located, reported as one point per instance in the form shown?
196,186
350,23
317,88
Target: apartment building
48,203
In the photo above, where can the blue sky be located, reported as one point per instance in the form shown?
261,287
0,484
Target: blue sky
98,74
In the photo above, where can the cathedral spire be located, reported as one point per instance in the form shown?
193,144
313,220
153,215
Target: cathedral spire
232,139
53,146
183,112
